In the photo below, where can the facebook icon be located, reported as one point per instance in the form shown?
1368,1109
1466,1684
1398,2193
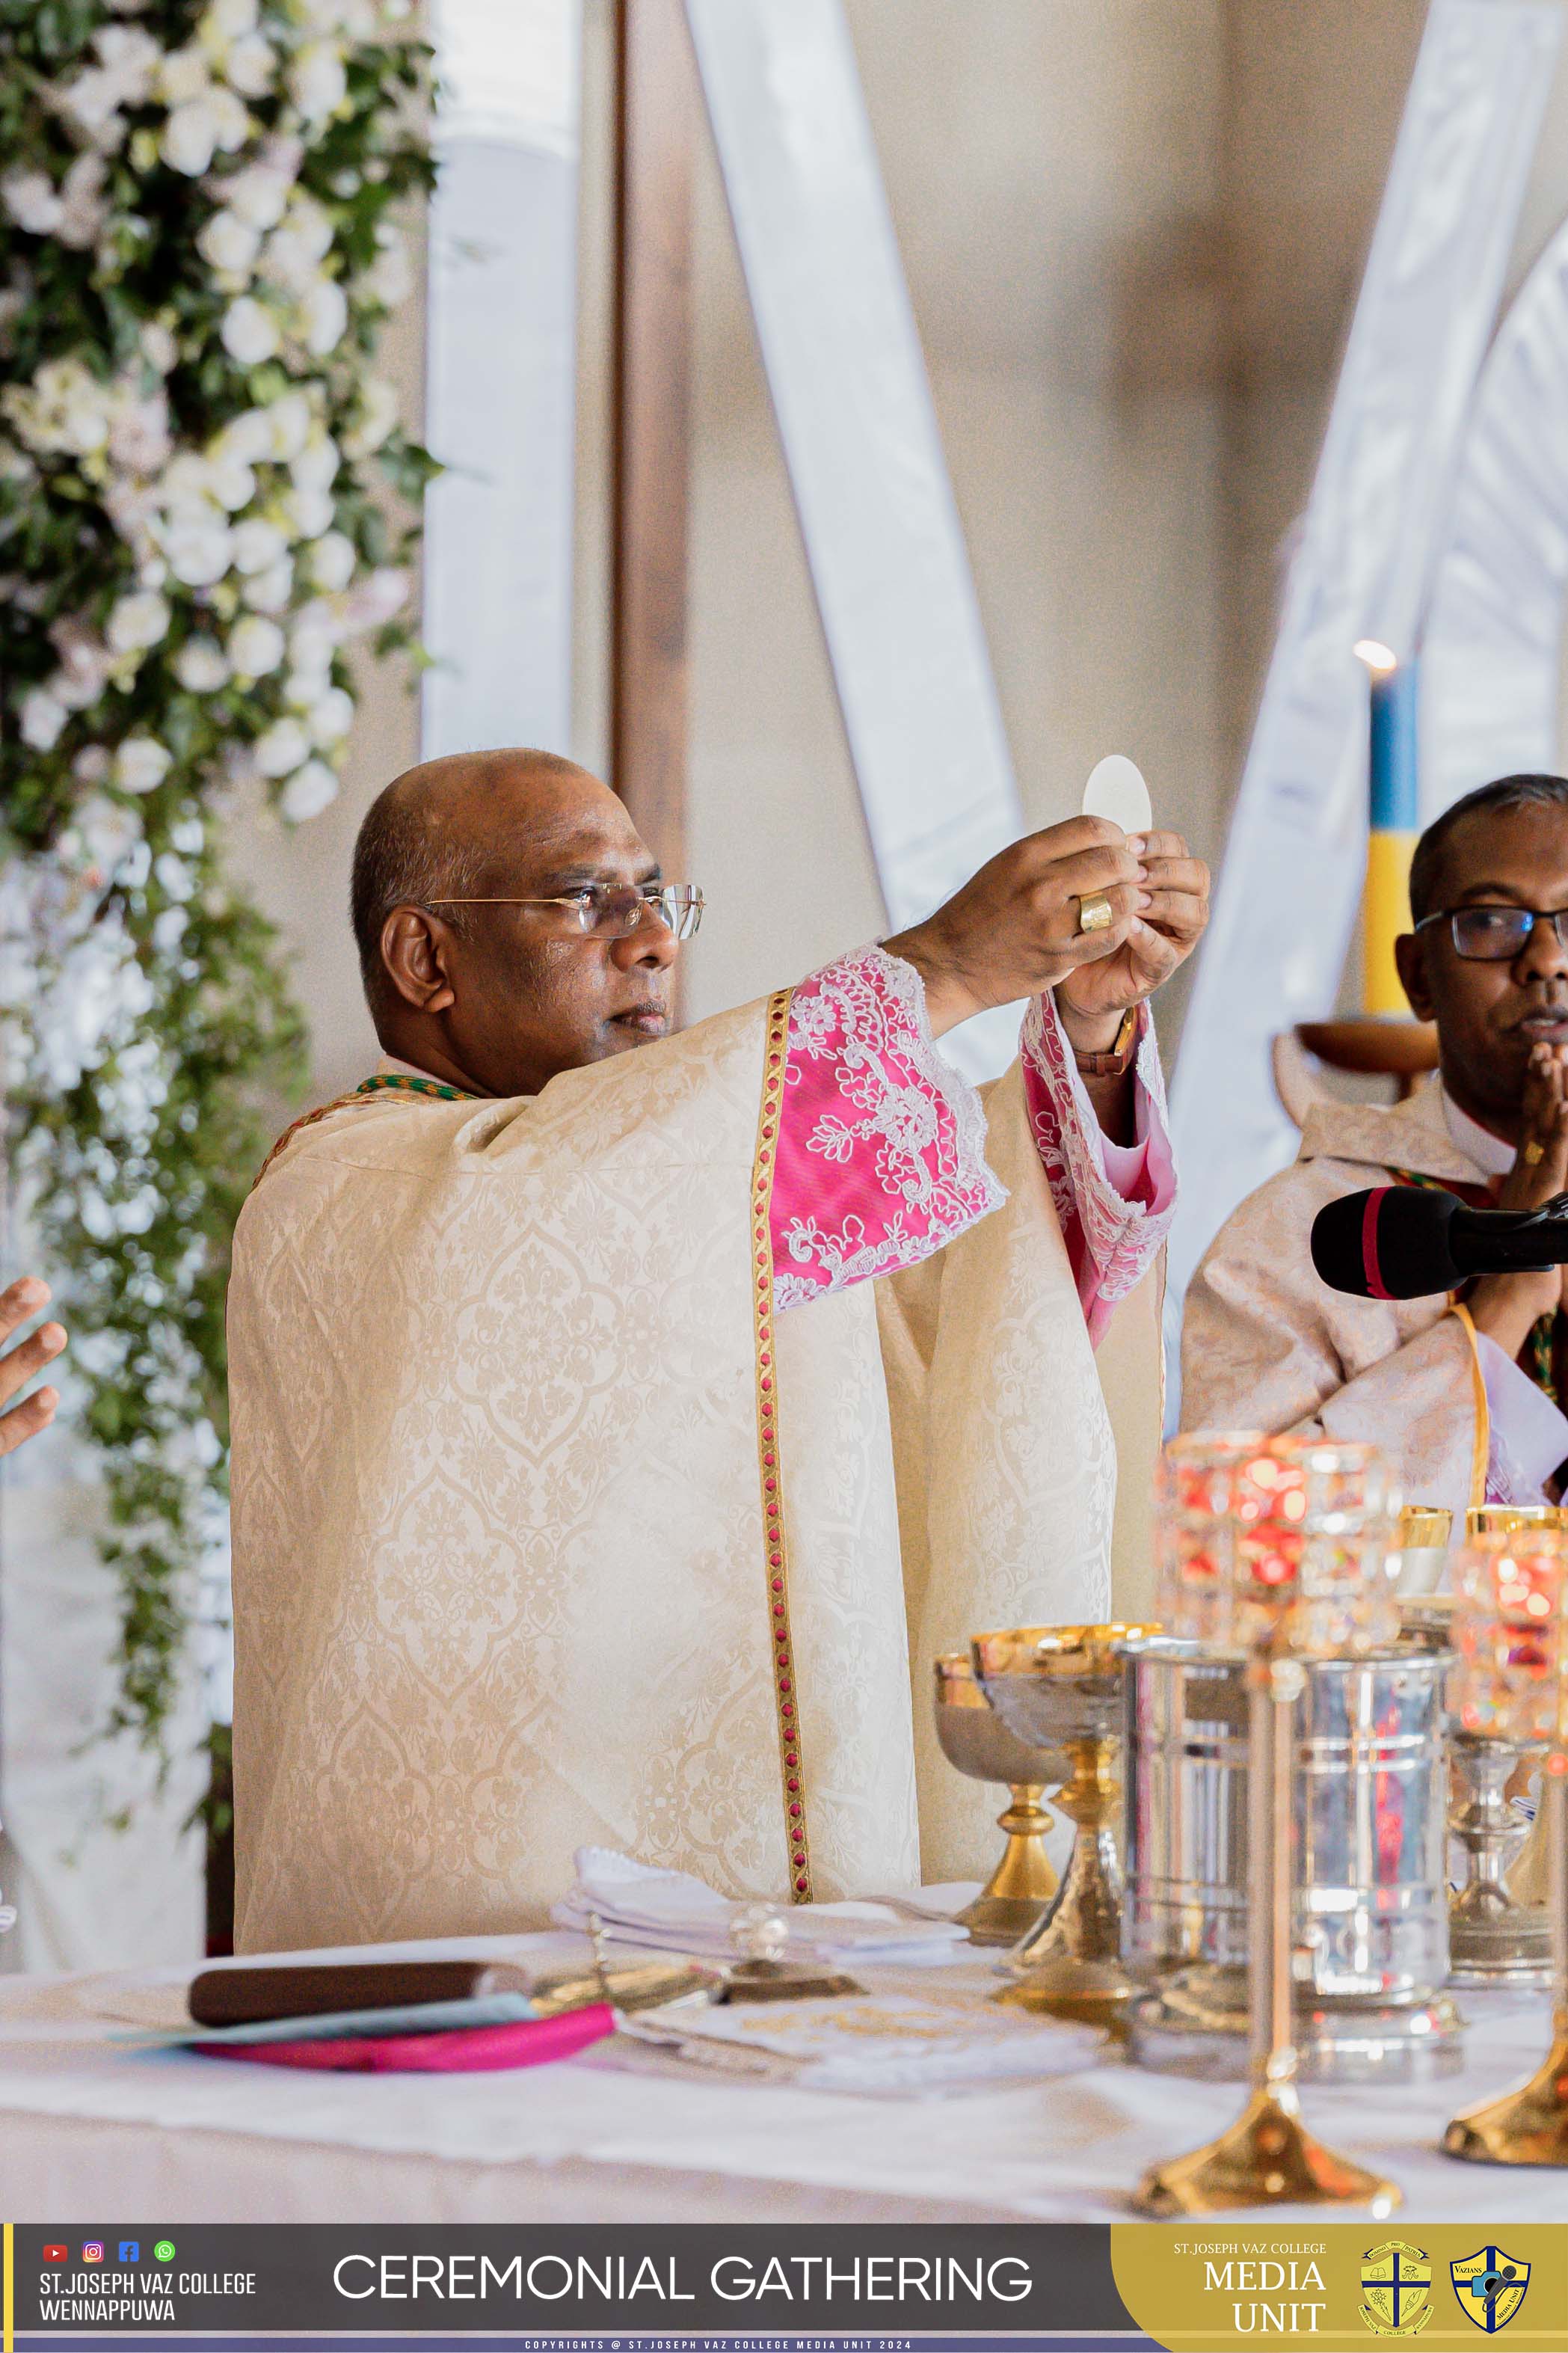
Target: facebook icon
129,2250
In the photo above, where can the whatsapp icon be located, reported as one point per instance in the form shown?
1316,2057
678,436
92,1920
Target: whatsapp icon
164,2250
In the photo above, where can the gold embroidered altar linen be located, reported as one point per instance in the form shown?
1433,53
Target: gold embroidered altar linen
501,1577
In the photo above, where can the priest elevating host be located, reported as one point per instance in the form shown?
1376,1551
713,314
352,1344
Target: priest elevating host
616,1433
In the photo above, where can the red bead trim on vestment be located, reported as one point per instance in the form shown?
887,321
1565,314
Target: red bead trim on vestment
770,1471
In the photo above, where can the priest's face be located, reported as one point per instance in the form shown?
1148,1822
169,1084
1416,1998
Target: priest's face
1490,1016
503,996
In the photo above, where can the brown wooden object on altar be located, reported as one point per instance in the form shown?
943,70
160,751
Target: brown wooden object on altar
1402,1050
655,129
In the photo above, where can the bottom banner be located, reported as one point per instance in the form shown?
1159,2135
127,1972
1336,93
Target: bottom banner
1193,2288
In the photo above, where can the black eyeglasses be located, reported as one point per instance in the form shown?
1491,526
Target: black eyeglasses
1496,934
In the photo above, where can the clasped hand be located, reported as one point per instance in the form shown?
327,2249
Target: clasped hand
1013,929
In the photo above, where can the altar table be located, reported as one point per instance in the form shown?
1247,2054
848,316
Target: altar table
90,2128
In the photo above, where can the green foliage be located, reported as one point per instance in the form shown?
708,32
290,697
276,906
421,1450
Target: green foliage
125,390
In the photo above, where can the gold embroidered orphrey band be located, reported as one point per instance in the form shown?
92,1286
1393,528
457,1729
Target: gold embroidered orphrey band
769,1470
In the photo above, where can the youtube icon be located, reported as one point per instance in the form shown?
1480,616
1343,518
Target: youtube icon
57,2255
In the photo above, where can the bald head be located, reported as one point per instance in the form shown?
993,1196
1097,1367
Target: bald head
438,830
500,994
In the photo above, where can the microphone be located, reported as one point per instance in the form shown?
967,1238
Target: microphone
1401,1241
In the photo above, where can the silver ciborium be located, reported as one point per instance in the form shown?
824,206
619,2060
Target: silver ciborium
1059,1687
975,1740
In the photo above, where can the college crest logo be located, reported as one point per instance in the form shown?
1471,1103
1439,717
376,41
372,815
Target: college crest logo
1490,2287
1395,2289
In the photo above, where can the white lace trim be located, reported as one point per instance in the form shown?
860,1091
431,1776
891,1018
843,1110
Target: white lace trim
867,1012
1121,1236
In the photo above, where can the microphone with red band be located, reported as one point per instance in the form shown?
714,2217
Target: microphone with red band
1402,1241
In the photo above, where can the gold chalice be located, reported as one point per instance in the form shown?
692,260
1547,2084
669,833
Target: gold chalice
1060,1687
974,1739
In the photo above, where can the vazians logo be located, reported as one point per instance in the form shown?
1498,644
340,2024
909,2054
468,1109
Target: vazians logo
1395,2289
1490,2287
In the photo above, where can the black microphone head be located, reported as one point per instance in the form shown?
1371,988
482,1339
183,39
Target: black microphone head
1391,1243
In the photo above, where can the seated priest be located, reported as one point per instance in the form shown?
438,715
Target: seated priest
1463,1392
615,1433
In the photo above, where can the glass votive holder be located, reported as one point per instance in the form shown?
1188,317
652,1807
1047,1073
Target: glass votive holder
1511,1631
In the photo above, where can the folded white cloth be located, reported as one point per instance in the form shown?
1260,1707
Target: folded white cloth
894,2044
672,1912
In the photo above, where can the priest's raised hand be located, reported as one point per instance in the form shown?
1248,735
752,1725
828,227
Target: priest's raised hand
1016,927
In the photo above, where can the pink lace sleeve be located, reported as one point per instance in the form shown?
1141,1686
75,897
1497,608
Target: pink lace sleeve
881,1143
1111,1239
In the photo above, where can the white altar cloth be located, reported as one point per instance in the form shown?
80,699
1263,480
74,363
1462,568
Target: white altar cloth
90,2126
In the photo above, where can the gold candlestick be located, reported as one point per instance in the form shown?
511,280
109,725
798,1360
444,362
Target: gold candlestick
1511,1625
1061,1686
1292,1545
974,1739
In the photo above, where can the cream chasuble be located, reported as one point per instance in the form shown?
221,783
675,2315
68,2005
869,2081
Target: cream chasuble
549,1532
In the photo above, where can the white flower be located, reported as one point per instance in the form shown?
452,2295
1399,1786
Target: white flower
227,20
308,792
309,512
158,348
250,65
258,543
332,562
258,195
324,314
90,767
131,56
375,598
92,102
290,421
140,765
200,665
83,210
330,720
255,646
304,239
137,621
315,467
42,720
376,416
152,573
232,483
197,545
106,829
231,123
315,633
284,747
228,242
270,591
247,438
168,930
33,202
316,81
249,332
182,76
138,435
189,137
174,877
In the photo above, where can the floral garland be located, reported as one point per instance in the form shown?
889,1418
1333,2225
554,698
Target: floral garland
197,259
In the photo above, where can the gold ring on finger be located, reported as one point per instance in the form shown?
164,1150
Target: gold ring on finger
1095,912
1534,1153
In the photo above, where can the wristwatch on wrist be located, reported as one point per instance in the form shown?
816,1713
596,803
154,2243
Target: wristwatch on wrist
1119,1062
